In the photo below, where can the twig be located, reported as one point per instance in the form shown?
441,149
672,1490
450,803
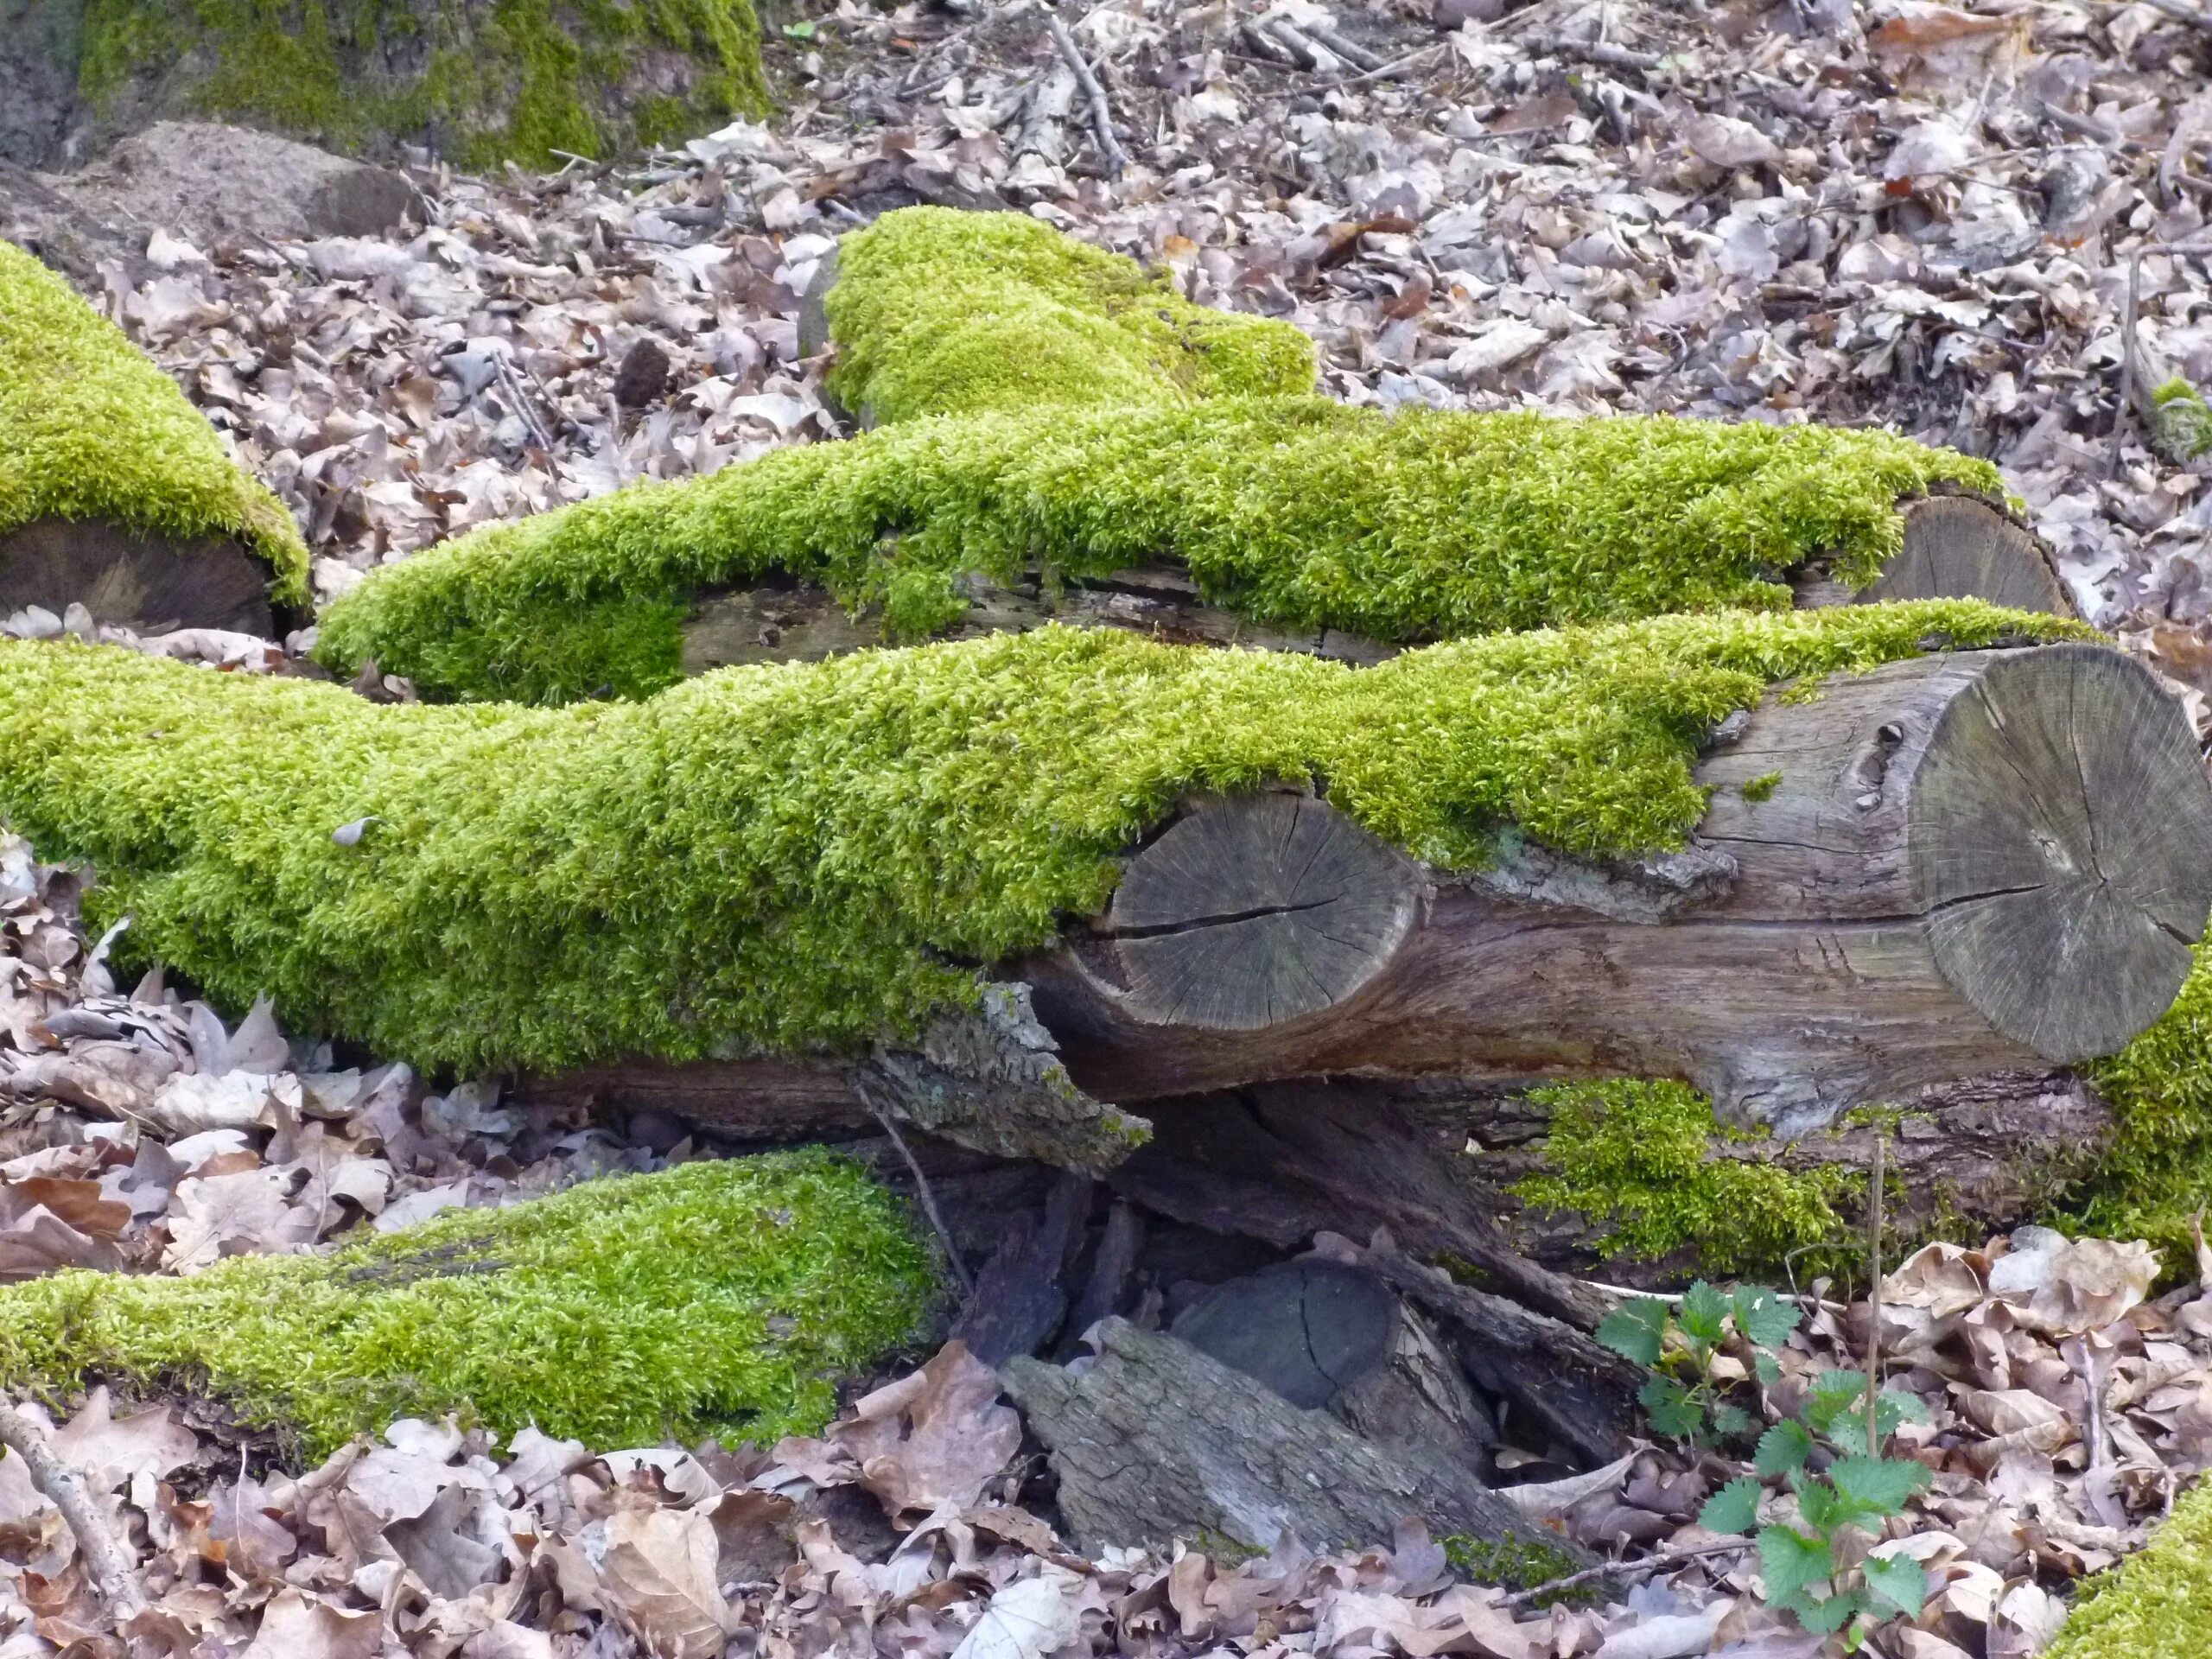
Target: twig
1350,50
1101,114
1874,1293
1384,72
1664,1561
1597,52
2126,363
114,1574
922,1191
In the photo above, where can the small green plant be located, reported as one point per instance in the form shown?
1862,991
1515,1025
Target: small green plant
2181,428
1811,1567
1763,786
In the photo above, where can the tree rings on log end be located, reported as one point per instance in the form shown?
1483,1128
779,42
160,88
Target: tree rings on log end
148,584
1248,913
1957,547
2060,838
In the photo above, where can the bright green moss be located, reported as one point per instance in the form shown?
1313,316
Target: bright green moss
2155,1605
1635,1157
90,428
939,312
1296,511
1762,787
2182,426
486,80
721,1297
806,853
2159,1169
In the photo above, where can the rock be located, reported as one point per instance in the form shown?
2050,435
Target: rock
1306,1329
643,377
35,215
211,184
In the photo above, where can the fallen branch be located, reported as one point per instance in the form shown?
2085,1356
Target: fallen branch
1598,51
1665,1560
115,1574
1101,114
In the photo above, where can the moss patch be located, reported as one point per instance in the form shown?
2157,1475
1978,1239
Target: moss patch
487,80
939,312
795,855
2159,1169
1295,512
2158,1604
716,1298
1636,1158
90,428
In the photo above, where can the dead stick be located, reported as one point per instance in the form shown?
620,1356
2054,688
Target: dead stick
114,1574
967,1280
1102,115
2126,363
1666,1561
1874,1297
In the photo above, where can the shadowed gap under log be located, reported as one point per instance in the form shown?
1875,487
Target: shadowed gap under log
148,584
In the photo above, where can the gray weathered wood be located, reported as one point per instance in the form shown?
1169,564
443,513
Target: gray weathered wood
1154,1440
146,583
1958,546
1909,849
1248,912
1021,1295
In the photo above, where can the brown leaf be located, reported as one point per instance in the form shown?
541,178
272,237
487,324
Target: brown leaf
934,1437
296,1625
659,1571
1725,142
109,1451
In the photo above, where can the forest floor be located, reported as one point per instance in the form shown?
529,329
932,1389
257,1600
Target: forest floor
1934,218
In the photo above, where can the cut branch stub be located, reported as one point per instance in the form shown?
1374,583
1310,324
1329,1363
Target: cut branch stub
1258,911
1956,547
2062,882
144,583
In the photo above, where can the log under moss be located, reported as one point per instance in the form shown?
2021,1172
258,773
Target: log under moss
2155,1605
721,1297
811,856
93,434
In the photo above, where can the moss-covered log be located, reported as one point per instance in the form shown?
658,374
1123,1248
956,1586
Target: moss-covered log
804,858
2155,1605
114,492
1058,426
720,1299
480,81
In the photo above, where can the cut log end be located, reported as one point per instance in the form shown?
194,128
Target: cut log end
148,584
2061,841
1250,912
1956,547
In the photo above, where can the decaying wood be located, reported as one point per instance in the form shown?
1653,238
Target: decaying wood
1956,547
1432,1160
1951,866
1119,1241
1022,1296
1333,1337
107,1559
1154,1440
148,584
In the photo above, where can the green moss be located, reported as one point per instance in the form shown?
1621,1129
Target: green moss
1515,1563
2158,1604
497,79
90,428
809,853
2158,1171
1636,1158
721,1297
1295,512
1762,787
939,312
2181,425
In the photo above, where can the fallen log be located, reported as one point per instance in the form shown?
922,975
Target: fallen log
1100,451
1155,1442
115,494
1900,884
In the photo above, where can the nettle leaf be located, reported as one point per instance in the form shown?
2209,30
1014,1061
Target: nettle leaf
1788,1561
1636,1330
1705,1313
1895,1406
1834,1392
1766,1368
1898,1583
1733,1420
1824,1615
1783,1448
1877,1485
1735,1507
1823,1506
1764,1318
1672,1410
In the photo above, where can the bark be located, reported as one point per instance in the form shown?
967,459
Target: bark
149,584
1954,866
1155,1441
